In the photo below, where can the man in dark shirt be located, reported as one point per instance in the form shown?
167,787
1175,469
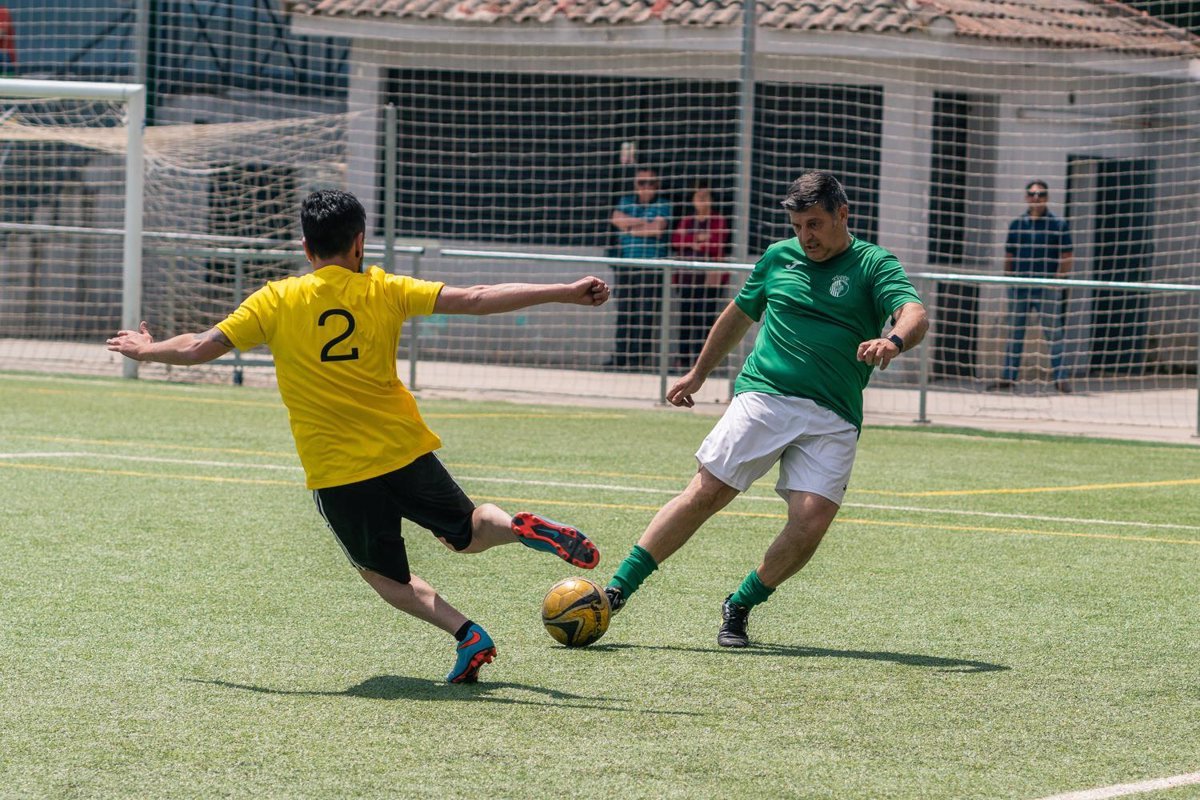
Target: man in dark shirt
1038,246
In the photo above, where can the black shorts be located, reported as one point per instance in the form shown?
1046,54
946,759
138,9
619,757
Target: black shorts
365,516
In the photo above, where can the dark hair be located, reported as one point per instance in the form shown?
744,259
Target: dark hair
655,175
330,219
815,188
1032,184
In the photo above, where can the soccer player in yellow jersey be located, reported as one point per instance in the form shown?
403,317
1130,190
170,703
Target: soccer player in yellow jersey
367,454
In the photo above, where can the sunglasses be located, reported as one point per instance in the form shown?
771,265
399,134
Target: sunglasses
1036,194
646,183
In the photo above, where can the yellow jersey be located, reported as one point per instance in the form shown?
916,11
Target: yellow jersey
334,336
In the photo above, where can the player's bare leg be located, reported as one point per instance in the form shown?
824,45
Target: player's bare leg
490,527
474,647
809,517
683,515
417,598
670,529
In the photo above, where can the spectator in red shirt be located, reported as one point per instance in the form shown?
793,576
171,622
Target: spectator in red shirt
702,235
8,42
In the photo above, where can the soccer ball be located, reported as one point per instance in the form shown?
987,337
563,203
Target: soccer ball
575,612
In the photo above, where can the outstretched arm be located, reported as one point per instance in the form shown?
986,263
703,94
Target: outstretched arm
501,297
184,349
726,332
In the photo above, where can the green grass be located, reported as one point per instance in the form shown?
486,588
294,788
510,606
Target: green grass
184,625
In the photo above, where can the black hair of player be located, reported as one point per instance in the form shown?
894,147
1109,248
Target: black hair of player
330,220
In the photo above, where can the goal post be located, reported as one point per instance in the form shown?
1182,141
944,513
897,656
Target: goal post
133,97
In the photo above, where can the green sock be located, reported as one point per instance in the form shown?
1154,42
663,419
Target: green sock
636,567
752,591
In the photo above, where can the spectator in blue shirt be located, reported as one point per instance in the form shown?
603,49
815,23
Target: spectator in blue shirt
643,221
1038,246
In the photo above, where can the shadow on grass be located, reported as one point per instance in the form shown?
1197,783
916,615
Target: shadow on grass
956,665
399,687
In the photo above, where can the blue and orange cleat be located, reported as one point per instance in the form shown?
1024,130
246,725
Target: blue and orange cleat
564,541
473,651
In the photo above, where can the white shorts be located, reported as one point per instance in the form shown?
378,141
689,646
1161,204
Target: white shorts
815,447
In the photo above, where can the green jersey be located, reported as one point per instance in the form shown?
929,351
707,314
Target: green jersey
814,315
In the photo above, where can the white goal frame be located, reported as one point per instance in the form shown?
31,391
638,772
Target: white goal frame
133,95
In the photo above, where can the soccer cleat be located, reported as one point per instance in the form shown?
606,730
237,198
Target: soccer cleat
473,652
733,629
616,598
566,542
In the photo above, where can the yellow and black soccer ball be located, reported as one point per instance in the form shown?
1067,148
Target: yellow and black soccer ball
576,612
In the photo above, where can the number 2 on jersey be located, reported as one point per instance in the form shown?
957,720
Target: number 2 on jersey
326,354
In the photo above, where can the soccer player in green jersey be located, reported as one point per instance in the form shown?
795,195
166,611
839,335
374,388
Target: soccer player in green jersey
367,455
822,298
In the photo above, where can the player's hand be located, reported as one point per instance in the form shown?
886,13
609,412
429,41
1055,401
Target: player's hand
131,343
878,352
589,291
681,393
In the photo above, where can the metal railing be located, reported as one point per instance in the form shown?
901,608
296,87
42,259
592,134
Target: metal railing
1051,283
925,282
242,252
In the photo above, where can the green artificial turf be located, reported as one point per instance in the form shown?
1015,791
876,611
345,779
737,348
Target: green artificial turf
989,617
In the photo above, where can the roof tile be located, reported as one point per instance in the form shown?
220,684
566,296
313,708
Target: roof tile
1096,24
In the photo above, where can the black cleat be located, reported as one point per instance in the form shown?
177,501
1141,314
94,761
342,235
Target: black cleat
733,629
616,598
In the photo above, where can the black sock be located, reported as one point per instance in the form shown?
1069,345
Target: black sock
461,633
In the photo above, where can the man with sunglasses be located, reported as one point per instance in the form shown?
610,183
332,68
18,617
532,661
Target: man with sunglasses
642,220
1038,246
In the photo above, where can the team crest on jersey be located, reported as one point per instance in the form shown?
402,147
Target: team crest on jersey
839,286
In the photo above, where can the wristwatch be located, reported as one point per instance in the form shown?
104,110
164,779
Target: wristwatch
896,340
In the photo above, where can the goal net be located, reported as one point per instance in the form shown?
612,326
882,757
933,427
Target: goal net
217,210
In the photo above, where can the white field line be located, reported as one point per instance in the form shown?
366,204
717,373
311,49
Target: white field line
616,488
1122,789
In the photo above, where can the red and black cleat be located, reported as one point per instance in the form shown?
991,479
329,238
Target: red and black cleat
564,541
